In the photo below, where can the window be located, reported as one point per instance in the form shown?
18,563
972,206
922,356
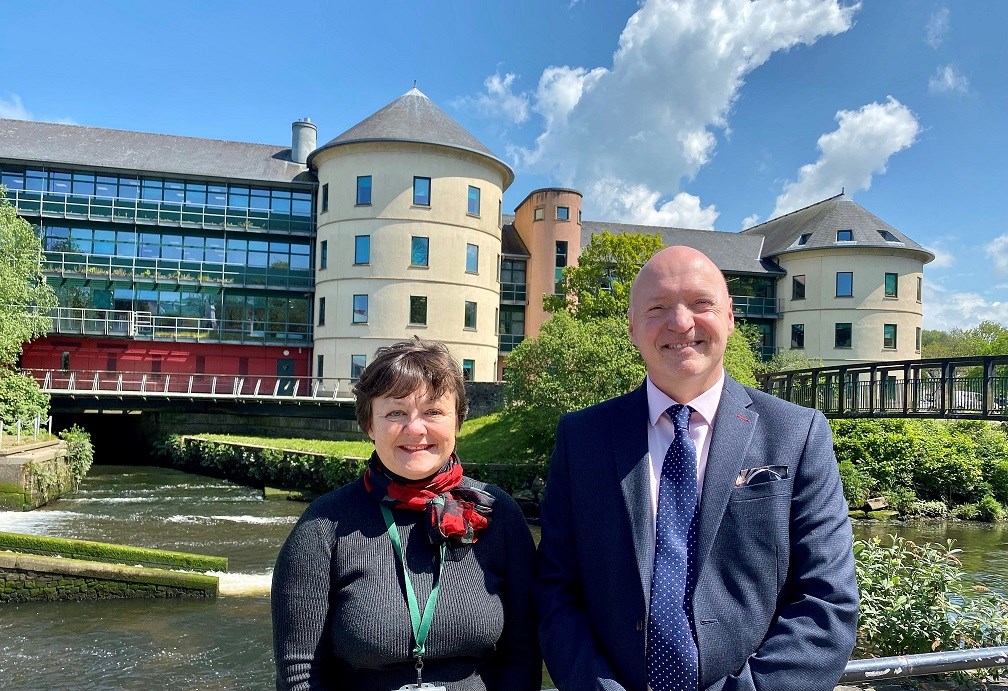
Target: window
421,191
797,336
561,264
798,287
917,339
324,254
419,251
891,285
360,309
470,315
845,236
563,213
537,213
321,311
842,335
804,238
418,310
362,249
468,370
889,336
363,190
889,237
472,258
357,365
474,201
845,284
920,286
325,197
319,366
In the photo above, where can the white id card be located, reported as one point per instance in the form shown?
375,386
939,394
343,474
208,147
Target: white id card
425,685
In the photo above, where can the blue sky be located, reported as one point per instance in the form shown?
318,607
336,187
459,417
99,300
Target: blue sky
688,113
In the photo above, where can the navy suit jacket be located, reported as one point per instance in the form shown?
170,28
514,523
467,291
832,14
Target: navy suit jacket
775,604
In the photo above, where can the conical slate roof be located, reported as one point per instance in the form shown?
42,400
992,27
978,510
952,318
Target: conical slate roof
822,220
413,118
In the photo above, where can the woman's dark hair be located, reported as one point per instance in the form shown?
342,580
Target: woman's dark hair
403,368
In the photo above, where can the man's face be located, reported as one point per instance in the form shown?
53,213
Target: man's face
680,320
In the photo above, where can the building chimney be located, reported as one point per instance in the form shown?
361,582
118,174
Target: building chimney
304,136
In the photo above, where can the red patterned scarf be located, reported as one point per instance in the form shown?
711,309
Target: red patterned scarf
454,513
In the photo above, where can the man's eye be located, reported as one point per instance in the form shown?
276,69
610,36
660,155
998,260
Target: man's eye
394,413
434,412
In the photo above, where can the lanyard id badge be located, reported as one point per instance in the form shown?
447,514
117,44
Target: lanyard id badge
420,623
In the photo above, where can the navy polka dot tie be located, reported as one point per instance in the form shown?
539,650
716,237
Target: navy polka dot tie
671,650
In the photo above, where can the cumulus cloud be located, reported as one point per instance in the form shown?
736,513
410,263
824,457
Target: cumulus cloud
750,221
948,79
849,155
647,122
946,310
937,26
997,251
944,259
12,108
499,99
616,199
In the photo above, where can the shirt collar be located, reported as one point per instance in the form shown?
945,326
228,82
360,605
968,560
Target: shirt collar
706,404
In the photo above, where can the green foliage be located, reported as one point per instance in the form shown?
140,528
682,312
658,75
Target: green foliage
740,360
857,484
989,510
502,437
25,298
987,338
966,512
21,398
947,467
927,509
882,449
788,360
80,452
599,286
914,599
570,365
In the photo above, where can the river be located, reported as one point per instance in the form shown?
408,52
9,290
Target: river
224,644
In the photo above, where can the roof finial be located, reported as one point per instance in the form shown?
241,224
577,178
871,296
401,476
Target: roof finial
841,187
414,83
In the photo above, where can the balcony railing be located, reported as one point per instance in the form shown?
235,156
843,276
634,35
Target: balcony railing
748,306
93,267
63,205
151,327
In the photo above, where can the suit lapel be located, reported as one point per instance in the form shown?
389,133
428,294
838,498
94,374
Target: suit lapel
734,423
630,449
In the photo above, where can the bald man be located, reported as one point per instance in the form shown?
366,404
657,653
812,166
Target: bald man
694,531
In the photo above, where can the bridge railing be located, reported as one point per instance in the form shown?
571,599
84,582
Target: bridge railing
973,387
220,386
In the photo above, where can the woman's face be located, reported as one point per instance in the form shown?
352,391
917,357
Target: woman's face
414,435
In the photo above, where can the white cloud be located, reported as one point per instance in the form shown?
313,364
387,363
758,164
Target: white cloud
750,221
946,79
944,259
937,26
849,155
12,108
997,250
630,203
946,311
648,122
499,100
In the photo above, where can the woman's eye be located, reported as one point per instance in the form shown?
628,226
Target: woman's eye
394,414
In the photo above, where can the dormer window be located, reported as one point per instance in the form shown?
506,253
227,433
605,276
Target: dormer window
889,237
804,238
845,236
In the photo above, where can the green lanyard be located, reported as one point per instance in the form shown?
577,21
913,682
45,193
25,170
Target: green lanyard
421,625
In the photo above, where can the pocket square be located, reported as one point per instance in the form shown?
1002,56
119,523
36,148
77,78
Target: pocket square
764,473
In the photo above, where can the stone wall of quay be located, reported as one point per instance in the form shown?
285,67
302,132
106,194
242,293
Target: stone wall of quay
33,474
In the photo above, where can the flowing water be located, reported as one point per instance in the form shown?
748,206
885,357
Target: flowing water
226,643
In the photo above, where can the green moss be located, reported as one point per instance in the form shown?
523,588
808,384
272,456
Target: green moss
113,554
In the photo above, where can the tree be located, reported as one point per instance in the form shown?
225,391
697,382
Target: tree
599,286
25,303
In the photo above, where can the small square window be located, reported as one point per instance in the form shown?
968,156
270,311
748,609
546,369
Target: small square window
842,335
470,315
360,309
363,190
798,287
421,191
472,258
325,197
418,310
357,365
563,213
473,207
321,311
419,251
891,285
468,370
845,284
845,236
537,213
797,336
323,254
362,249
889,336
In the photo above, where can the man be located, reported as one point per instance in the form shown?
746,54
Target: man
709,551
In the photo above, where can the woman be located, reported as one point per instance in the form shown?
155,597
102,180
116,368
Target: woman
412,572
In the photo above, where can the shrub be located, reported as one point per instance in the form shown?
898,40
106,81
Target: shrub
857,485
80,452
927,509
966,512
21,398
989,510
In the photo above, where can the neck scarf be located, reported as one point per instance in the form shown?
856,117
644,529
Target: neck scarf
454,513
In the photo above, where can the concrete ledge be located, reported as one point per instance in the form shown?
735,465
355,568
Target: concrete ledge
23,448
113,554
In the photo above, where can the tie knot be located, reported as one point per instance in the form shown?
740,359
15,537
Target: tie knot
680,415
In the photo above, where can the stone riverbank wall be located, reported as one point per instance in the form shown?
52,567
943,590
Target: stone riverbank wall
33,474
38,568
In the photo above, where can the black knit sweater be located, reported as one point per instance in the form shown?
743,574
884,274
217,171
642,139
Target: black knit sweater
340,618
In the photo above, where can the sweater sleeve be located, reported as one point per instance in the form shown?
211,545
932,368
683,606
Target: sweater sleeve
300,605
518,663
